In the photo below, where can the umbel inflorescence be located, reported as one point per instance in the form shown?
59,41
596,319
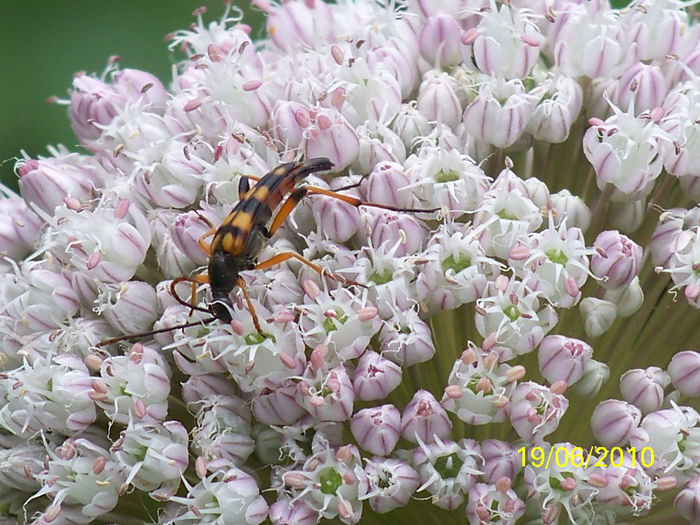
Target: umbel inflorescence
528,354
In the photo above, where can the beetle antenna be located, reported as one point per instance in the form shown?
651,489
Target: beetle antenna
153,332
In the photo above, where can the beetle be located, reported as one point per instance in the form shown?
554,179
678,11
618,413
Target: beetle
242,234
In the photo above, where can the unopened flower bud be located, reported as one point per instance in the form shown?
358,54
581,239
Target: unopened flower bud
627,299
614,421
684,370
617,259
641,86
130,307
376,429
186,231
687,502
48,182
500,460
573,208
437,98
286,511
424,419
336,220
594,376
334,138
375,377
598,315
277,406
644,388
563,358
399,230
439,42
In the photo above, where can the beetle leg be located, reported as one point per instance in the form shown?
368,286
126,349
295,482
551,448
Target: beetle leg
241,284
287,208
205,246
192,305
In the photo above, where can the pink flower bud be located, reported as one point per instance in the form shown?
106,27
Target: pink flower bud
641,86
388,184
424,419
376,429
336,220
499,113
375,377
644,388
614,421
19,227
334,138
47,182
186,231
285,511
93,102
131,308
400,61
295,24
439,40
687,502
289,121
684,370
563,358
397,229
277,406
500,460
617,259
554,115
437,98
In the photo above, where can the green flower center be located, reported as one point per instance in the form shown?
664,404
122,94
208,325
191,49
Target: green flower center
330,481
511,312
384,480
382,277
473,382
503,214
457,265
331,323
254,338
557,256
446,176
448,466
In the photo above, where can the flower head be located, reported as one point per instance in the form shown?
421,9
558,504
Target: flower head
493,257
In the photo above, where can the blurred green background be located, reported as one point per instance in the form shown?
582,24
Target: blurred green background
46,41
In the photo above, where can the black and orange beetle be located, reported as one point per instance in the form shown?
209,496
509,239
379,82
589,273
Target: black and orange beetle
242,234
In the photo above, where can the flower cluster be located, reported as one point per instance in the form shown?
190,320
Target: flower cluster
551,302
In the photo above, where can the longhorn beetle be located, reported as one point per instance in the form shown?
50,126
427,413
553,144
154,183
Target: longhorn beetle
239,239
